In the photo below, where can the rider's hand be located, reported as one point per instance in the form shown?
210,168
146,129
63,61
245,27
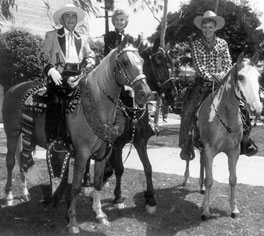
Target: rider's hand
55,75
217,79
90,62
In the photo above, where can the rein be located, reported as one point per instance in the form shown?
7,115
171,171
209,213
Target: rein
123,71
162,51
134,121
228,129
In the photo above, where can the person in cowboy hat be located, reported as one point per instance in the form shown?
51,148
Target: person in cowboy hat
61,55
212,61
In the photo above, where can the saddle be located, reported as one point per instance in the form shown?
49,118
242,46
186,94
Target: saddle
184,88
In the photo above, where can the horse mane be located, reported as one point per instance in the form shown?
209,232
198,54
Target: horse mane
104,69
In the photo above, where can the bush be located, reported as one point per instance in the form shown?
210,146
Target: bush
98,48
18,61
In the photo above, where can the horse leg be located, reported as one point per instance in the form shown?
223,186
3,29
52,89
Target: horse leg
201,179
99,167
186,174
14,150
87,185
25,196
12,145
208,160
232,162
150,201
79,168
117,162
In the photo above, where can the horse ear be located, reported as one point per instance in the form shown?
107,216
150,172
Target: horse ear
138,42
156,45
240,58
124,41
255,58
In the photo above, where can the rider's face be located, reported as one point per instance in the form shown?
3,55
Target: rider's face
208,29
119,22
69,20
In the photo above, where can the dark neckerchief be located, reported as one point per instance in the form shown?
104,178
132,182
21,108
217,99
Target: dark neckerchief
118,32
209,45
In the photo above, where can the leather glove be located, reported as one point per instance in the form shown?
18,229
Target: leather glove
55,75
90,62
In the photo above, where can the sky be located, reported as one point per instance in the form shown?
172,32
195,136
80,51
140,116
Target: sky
145,24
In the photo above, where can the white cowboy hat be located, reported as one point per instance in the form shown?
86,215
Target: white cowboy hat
68,8
210,15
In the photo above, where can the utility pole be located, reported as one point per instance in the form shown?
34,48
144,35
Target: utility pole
162,44
106,17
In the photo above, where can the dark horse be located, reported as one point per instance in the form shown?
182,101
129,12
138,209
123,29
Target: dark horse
92,125
137,127
220,125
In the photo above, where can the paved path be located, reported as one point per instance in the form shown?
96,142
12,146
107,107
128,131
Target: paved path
250,170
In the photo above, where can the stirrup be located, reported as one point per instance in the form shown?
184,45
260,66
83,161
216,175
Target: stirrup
248,147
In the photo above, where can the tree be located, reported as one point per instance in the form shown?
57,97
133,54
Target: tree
240,30
5,5
18,60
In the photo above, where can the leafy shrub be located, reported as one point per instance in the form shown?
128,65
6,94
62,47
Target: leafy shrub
18,60
98,48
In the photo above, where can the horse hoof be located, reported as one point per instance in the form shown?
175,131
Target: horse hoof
204,217
74,230
9,202
104,221
25,198
202,191
151,209
119,205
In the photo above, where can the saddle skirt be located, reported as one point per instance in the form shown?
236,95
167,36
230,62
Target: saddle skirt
36,99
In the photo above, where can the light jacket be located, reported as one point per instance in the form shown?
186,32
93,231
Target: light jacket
53,51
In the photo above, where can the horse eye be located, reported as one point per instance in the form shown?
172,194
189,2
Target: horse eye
158,60
125,62
240,77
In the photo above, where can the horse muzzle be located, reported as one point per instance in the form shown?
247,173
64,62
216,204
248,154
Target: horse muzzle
142,92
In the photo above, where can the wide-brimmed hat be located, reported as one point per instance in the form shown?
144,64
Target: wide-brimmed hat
210,15
68,8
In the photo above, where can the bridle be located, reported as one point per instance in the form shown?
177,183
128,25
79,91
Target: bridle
240,98
122,71
160,85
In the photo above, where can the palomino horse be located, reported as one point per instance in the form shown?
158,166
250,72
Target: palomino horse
220,125
137,128
92,125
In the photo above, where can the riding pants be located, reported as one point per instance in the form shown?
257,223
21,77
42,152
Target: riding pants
193,101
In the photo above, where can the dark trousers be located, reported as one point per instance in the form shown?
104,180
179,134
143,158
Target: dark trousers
55,125
195,98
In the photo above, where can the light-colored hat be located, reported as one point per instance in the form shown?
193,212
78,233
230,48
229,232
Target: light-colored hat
209,15
68,8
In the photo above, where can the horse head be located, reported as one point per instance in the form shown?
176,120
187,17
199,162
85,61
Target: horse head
156,67
248,82
129,70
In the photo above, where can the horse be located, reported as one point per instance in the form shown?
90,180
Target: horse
220,124
92,126
137,129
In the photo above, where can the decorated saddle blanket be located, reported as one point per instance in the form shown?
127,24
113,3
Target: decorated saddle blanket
36,99
107,132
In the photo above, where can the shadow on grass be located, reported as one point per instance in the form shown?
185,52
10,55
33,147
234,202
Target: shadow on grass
174,212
